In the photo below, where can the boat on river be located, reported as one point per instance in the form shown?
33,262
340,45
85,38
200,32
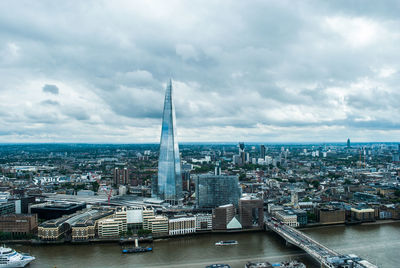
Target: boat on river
226,243
285,264
10,258
137,250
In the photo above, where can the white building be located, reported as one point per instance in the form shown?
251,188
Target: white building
158,225
122,190
147,214
287,217
182,225
203,222
272,209
115,226
108,228
134,215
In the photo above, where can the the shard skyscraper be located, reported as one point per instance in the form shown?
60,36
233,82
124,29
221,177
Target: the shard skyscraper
169,183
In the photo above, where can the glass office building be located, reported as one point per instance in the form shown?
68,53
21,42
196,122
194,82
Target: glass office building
217,190
169,181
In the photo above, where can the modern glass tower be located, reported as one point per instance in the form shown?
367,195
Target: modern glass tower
169,183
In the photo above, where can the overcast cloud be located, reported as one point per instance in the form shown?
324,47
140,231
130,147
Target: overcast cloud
253,71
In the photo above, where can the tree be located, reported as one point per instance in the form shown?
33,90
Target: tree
347,181
95,186
315,184
397,193
143,232
311,216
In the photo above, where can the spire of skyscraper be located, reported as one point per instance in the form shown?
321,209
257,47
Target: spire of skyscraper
169,184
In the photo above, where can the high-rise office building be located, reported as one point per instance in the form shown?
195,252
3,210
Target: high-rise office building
242,154
217,169
169,181
217,190
262,151
348,143
121,176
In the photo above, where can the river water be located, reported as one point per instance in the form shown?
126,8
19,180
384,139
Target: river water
380,244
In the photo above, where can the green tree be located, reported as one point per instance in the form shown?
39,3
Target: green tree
315,184
95,186
397,193
311,216
143,232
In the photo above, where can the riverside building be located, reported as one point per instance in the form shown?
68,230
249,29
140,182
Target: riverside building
203,222
159,225
217,190
115,226
182,224
251,212
19,224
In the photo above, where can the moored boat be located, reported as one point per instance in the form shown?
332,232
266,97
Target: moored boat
137,250
10,258
226,243
288,264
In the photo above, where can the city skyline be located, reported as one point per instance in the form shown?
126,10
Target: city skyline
94,72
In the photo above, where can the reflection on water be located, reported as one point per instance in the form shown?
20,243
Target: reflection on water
378,243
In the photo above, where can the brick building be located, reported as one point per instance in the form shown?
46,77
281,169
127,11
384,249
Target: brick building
19,223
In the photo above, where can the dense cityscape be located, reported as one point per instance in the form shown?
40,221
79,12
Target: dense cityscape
59,193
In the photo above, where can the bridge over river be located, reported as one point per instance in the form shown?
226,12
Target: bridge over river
324,255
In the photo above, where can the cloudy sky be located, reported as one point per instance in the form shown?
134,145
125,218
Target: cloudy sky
253,71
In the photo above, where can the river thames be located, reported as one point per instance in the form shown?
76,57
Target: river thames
380,244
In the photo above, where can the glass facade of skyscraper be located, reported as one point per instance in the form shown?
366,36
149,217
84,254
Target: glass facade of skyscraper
169,183
217,190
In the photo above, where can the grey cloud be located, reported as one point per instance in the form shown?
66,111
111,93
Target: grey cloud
50,102
53,89
76,113
243,65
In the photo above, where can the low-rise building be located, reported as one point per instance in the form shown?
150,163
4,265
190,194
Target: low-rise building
182,224
18,224
360,196
251,212
135,217
331,215
7,208
54,229
203,222
364,215
114,226
302,217
87,227
288,217
55,210
222,215
272,209
147,214
159,225
109,228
